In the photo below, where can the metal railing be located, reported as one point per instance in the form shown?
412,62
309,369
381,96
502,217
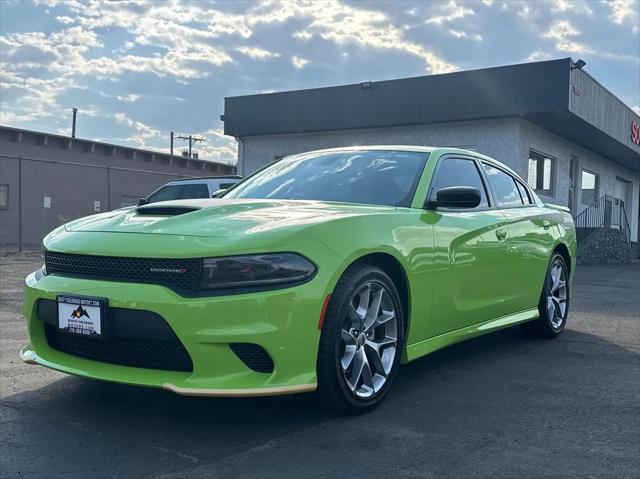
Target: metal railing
607,212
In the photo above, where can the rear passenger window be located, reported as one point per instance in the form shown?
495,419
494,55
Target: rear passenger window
459,172
503,185
195,191
524,194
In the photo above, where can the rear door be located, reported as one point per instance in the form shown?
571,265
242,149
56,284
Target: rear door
529,239
469,252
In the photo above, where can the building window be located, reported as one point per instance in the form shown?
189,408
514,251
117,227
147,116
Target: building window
589,187
4,196
541,172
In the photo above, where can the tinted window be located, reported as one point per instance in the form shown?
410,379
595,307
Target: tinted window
195,191
589,187
369,177
458,172
524,194
541,171
225,186
167,193
503,186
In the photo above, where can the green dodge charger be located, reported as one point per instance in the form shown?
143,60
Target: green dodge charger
322,272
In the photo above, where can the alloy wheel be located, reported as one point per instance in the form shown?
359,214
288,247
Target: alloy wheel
369,338
557,295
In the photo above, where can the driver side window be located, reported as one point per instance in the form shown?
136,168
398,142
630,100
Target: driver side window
458,172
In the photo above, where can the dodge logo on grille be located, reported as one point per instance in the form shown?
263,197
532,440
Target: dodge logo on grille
168,270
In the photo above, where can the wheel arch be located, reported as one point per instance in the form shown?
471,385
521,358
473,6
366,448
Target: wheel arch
393,267
562,249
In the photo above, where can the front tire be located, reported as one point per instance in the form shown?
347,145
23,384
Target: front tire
361,340
554,301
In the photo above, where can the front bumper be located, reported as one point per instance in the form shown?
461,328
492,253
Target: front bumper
282,322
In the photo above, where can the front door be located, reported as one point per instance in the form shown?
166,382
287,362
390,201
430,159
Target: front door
469,253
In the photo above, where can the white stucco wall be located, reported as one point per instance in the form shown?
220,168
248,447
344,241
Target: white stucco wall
534,137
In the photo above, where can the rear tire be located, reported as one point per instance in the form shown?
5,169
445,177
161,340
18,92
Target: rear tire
361,340
554,301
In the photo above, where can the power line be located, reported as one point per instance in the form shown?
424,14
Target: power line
191,140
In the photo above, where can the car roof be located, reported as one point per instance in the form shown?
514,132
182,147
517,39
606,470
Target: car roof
205,179
221,177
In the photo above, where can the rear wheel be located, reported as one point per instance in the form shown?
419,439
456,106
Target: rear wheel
360,343
554,301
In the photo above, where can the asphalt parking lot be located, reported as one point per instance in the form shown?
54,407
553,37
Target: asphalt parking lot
498,406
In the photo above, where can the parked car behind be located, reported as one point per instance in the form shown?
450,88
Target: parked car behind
190,188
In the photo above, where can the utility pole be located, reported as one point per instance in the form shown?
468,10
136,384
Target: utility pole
192,140
73,124
172,133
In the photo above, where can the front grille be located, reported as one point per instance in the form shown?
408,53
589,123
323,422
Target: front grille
178,274
254,356
124,351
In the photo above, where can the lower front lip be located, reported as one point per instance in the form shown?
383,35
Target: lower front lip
282,322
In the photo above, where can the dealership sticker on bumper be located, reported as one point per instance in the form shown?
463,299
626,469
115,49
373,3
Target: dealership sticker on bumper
80,315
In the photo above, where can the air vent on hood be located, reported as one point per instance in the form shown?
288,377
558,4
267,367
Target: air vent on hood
165,210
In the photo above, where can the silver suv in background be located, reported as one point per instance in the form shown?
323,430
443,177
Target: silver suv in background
190,188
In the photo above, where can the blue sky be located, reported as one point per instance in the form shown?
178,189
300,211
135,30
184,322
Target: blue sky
138,69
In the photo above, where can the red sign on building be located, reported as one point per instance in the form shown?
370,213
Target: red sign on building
635,133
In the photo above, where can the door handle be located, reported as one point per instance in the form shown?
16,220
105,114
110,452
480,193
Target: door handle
546,224
501,233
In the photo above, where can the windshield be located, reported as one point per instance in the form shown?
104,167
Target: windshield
370,177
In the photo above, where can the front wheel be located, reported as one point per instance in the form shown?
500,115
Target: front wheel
360,344
554,301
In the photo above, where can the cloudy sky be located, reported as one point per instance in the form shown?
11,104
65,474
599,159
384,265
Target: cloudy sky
138,69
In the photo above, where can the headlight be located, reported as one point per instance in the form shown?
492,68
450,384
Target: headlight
40,273
255,271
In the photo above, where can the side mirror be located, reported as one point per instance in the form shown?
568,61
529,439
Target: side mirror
143,201
456,197
218,193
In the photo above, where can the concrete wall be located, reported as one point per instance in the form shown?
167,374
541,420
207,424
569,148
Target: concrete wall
507,140
73,175
539,139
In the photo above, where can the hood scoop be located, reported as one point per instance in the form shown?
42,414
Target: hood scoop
165,210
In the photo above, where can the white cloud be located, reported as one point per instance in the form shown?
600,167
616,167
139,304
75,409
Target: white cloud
460,34
538,56
344,24
573,6
65,20
302,35
563,32
451,11
299,62
142,133
257,53
128,98
625,12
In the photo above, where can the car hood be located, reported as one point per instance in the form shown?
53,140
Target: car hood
220,217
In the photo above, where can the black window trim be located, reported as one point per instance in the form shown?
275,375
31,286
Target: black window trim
515,179
483,180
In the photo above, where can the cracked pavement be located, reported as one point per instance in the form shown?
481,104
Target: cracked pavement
502,405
